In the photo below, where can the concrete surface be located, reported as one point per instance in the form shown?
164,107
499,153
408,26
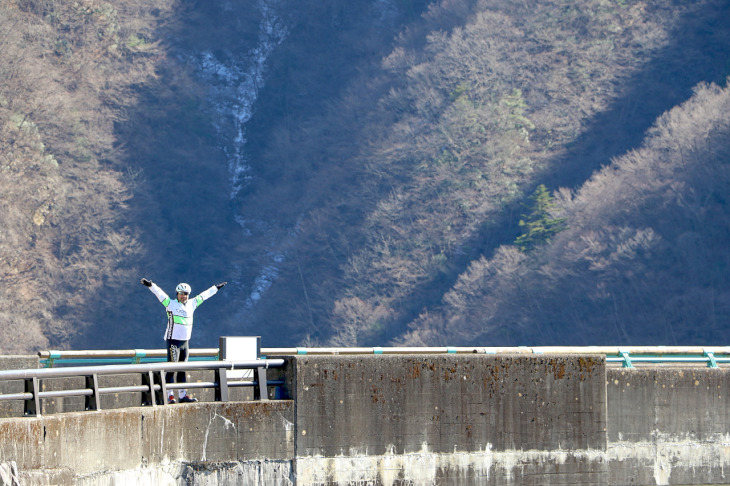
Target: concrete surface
454,419
401,420
14,408
152,445
669,426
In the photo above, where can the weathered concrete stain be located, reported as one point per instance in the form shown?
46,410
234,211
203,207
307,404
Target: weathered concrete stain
668,425
558,369
426,468
415,371
668,452
471,403
151,445
226,423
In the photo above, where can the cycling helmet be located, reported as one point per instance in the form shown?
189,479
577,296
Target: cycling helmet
182,288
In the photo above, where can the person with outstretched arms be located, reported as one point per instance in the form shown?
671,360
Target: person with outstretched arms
180,326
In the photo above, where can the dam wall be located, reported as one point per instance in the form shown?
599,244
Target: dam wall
668,425
204,444
451,420
402,420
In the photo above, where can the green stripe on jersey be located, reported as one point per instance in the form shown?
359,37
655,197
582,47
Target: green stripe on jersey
180,320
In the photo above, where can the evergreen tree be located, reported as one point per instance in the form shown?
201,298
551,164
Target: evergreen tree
539,225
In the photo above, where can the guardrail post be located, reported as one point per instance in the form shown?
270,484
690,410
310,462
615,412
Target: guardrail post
711,361
33,405
149,397
627,358
51,358
259,391
160,388
221,391
93,402
163,388
138,355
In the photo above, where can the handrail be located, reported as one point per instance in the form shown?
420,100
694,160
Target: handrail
154,387
604,350
134,356
626,355
122,353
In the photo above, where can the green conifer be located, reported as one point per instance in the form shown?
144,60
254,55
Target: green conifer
539,225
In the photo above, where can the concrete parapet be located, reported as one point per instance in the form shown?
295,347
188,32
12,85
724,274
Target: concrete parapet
668,426
450,419
396,420
14,408
152,445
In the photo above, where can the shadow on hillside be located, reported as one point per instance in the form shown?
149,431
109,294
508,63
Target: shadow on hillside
179,214
186,222
699,52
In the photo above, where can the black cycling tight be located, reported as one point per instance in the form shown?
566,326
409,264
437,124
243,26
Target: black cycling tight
177,351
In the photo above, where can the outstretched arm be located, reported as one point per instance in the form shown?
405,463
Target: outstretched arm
203,296
159,293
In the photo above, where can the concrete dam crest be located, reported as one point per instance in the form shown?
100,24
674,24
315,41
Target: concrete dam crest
402,420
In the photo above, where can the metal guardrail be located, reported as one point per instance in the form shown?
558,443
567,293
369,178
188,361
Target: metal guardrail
154,388
627,356
130,356
152,365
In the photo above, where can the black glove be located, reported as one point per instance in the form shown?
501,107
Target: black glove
146,282
221,285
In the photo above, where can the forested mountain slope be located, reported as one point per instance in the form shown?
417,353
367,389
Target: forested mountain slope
644,257
358,171
67,76
471,112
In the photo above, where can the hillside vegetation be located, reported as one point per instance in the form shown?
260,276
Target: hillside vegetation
471,111
393,152
68,72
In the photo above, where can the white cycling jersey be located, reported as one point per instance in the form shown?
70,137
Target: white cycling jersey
179,315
